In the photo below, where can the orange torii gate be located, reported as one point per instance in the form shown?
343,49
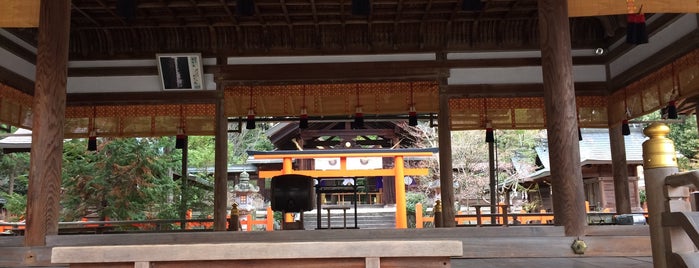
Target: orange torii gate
398,171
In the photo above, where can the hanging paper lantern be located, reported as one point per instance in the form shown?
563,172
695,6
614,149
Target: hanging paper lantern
472,5
489,135
412,117
180,139
250,123
625,129
358,118
636,29
671,110
303,119
92,141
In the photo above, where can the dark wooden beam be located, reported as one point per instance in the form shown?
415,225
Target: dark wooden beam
520,90
16,81
17,50
322,67
324,72
315,143
136,98
311,133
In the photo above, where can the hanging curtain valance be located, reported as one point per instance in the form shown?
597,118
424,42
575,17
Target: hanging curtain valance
520,112
15,107
140,120
332,99
675,81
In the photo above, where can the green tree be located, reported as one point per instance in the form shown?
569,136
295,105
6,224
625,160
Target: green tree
124,179
685,136
14,168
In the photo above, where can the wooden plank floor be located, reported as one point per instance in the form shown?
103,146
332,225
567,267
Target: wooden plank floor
582,262
626,246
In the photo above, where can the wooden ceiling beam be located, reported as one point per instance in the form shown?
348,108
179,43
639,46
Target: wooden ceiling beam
520,90
319,67
234,22
290,26
298,22
382,143
665,56
141,98
323,72
308,134
17,50
10,78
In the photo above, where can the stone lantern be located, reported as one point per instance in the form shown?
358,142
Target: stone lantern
243,191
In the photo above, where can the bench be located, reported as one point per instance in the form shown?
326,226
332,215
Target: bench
344,215
370,254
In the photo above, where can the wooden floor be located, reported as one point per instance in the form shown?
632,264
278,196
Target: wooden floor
512,247
591,262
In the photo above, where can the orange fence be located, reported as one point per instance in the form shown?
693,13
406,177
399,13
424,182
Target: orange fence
85,226
504,218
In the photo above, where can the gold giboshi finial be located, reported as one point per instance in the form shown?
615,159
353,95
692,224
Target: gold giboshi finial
658,150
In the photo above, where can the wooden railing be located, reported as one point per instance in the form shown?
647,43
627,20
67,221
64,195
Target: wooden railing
170,225
503,218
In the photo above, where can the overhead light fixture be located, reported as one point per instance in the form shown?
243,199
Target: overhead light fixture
303,119
245,7
126,8
180,139
489,134
358,113
471,5
250,122
671,110
625,129
412,116
412,113
92,141
361,7
636,28
358,117
92,135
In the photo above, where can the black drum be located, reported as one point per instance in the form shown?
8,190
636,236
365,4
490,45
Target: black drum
292,193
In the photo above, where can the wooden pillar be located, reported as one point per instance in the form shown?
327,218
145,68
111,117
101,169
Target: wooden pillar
221,165
401,214
48,117
620,170
696,115
446,179
561,117
184,207
493,181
